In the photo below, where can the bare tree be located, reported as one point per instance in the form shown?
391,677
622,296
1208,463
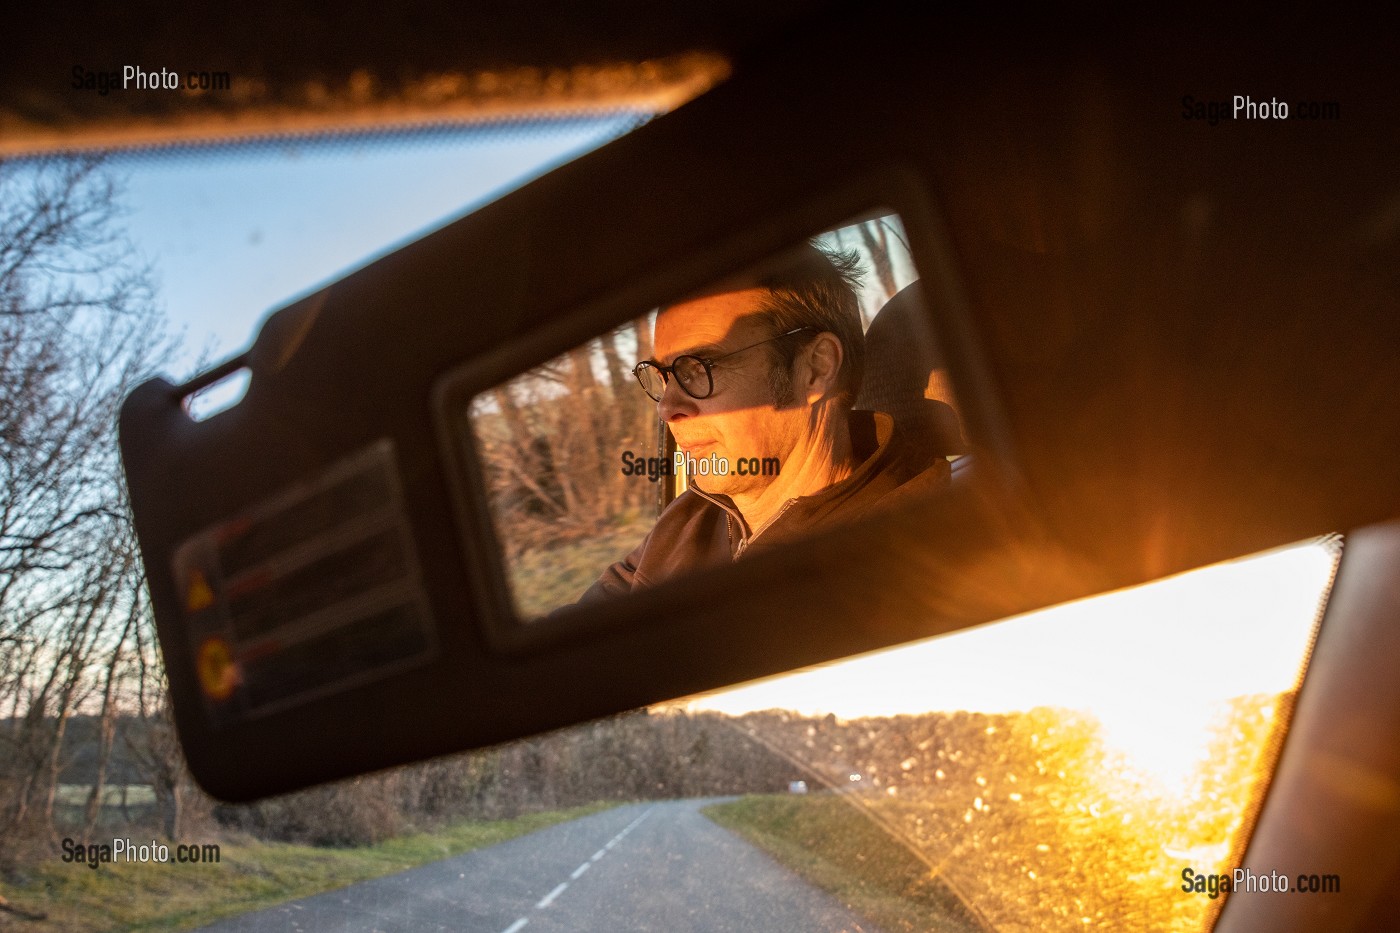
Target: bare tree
552,440
116,658
876,239
78,329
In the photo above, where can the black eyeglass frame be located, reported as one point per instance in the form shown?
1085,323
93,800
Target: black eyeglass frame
705,363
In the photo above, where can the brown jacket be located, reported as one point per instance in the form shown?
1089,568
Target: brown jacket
700,529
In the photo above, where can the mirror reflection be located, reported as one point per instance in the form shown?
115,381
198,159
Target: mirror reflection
783,400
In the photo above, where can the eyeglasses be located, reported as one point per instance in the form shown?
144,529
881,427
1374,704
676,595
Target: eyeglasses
693,373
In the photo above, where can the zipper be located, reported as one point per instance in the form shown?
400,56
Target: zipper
744,540
743,545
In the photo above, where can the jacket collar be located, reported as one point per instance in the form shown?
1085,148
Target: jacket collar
873,440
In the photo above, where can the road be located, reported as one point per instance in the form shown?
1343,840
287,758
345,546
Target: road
660,867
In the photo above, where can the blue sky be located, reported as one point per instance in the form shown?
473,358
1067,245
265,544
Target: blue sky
235,236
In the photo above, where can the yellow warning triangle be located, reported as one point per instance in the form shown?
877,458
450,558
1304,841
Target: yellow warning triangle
200,596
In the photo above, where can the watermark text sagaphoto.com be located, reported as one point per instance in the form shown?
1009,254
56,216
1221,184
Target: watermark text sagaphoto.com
683,464
1247,881
1246,107
136,78
127,851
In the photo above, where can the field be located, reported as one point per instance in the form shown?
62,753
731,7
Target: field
1026,818
838,848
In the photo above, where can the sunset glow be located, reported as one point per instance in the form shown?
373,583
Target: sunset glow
1153,663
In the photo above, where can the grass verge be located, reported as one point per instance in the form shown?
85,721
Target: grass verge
838,848
152,897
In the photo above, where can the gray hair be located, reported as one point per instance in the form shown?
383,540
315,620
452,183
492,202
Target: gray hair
814,288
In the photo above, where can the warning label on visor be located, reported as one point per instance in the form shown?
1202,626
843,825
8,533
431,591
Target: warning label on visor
308,593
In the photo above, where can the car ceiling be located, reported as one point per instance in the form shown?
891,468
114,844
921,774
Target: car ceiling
322,67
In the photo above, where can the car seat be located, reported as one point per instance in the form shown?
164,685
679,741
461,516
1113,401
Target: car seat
905,376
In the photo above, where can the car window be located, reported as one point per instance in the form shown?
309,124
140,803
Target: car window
575,460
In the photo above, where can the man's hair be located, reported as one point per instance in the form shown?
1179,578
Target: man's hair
816,288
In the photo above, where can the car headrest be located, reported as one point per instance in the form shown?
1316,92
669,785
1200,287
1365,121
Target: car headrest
904,374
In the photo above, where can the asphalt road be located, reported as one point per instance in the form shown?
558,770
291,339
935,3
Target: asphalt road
659,867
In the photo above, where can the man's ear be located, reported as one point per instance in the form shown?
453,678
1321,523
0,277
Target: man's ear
824,357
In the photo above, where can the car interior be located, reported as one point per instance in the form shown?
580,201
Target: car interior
1148,344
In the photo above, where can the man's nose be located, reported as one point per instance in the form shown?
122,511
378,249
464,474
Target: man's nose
675,404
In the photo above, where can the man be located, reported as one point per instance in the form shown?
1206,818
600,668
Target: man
766,370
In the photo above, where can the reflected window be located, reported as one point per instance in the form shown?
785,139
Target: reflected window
780,401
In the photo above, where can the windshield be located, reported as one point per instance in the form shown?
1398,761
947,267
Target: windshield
1084,767
1077,768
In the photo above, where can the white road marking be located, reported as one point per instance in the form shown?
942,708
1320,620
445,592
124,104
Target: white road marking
628,828
516,926
578,872
549,898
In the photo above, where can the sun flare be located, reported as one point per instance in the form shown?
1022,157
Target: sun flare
1154,664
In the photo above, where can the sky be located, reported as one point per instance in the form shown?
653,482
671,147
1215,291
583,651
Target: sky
1153,663
1229,630
235,236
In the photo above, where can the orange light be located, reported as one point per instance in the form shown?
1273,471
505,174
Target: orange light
198,595
218,672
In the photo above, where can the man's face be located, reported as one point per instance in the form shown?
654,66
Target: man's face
740,418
